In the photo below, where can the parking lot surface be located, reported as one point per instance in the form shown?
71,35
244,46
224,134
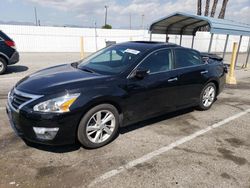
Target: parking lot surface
188,148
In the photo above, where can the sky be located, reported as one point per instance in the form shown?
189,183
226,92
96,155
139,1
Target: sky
88,12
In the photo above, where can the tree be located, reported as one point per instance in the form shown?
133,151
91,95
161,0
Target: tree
199,7
207,7
223,9
214,8
107,26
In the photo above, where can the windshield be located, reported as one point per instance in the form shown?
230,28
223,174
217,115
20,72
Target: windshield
112,60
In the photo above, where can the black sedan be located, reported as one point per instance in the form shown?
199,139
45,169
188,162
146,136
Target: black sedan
87,101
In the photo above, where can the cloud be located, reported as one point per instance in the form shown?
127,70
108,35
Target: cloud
118,12
242,15
66,5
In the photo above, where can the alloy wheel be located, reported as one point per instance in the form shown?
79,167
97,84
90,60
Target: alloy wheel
1,66
100,126
208,96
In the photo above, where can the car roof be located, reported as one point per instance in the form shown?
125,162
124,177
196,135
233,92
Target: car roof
147,45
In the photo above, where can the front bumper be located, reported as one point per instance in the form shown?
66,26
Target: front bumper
23,122
14,58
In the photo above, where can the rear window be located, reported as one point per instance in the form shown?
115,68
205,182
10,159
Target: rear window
4,36
186,58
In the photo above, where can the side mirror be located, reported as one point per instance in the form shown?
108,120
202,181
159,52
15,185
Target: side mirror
141,73
205,60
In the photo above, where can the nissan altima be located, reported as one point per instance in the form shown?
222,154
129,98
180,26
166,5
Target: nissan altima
87,101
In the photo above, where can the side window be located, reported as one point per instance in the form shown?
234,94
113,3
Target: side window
158,61
186,57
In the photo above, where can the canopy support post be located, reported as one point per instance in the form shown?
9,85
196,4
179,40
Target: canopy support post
210,43
180,39
225,47
192,45
167,38
248,52
238,50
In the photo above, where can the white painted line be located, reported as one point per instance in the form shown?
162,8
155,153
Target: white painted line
164,149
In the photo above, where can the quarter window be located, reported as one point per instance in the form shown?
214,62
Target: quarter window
186,58
159,61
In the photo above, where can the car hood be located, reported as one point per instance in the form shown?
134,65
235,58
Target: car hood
58,79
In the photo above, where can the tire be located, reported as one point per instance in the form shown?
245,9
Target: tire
91,128
207,101
3,65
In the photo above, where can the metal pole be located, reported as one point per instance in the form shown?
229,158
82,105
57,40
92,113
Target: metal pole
95,37
35,15
106,14
238,51
167,38
142,21
130,26
230,78
248,52
210,43
192,45
180,39
225,47
150,36
81,48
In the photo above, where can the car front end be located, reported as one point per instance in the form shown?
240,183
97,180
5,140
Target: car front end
41,120
48,106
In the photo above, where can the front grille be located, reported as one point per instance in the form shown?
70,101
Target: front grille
18,99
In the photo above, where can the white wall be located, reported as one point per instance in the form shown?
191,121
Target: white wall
65,39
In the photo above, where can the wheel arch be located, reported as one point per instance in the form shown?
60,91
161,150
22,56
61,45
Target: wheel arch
216,83
97,102
104,100
4,57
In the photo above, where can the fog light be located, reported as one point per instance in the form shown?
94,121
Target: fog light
45,133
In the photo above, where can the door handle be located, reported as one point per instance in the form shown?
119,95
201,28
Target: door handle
204,72
172,79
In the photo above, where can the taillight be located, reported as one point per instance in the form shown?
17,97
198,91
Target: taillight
10,43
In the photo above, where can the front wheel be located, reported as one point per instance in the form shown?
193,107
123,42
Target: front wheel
207,96
99,126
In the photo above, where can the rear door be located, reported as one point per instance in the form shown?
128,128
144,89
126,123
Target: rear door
192,75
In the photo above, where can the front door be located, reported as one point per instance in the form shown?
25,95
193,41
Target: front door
155,93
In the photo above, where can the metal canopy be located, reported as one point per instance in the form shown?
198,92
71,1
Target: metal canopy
188,24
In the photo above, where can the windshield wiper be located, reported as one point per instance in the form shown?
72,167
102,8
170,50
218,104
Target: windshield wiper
87,70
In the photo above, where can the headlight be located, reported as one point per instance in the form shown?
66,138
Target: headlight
59,105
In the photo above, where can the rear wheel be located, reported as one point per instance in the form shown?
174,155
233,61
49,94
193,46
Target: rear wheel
99,126
3,65
207,96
